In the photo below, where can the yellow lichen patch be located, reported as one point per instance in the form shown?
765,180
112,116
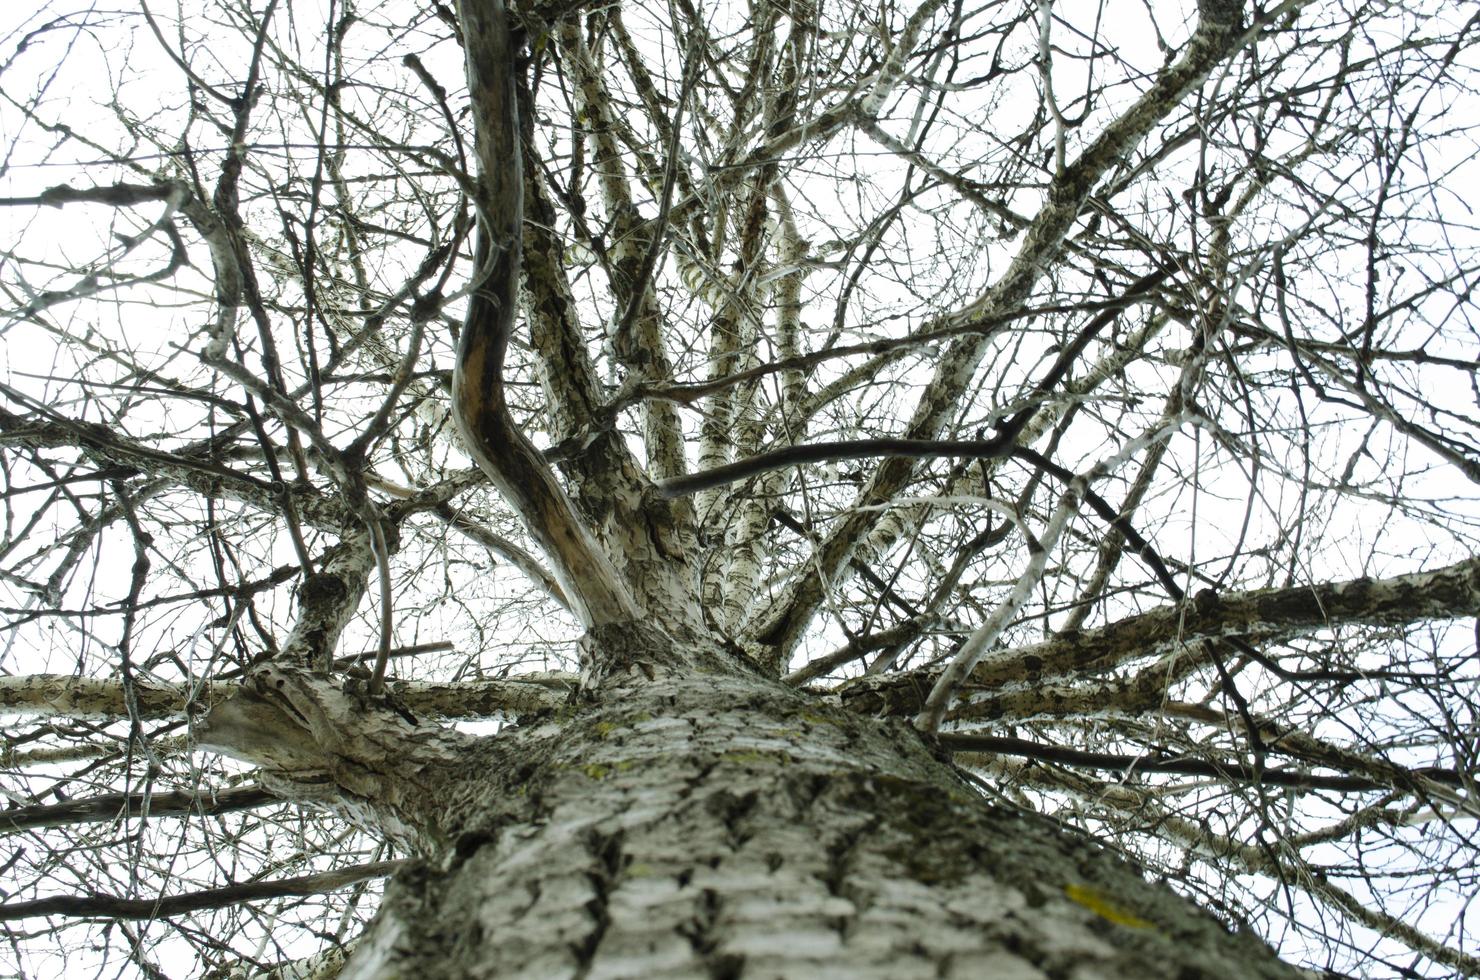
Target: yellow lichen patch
1104,906
756,757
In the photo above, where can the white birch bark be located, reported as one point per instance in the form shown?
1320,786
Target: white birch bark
710,824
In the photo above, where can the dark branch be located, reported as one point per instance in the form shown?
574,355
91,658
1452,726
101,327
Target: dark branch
826,452
115,806
109,907
1169,765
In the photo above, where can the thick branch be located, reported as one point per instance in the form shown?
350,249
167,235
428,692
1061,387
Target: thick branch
587,576
1447,593
1232,769
315,740
116,806
826,452
113,195
65,696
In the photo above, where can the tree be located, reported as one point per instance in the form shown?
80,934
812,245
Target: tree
780,489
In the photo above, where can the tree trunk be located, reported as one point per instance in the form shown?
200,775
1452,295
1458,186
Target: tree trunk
683,822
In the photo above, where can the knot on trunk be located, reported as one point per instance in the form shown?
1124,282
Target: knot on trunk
617,651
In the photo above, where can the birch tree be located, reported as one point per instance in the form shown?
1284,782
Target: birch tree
770,489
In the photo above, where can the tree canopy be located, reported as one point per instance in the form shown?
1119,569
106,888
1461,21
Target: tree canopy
1090,385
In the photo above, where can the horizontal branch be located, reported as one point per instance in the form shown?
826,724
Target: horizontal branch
690,392
1446,593
114,195
997,447
1157,763
189,466
62,695
827,452
110,907
114,806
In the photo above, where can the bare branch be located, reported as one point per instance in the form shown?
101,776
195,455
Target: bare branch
106,906
121,806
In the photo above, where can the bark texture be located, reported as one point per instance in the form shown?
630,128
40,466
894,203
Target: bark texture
680,823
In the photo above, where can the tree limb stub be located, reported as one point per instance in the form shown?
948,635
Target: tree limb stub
65,696
315,740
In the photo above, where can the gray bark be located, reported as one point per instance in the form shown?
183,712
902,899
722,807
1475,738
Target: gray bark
674,822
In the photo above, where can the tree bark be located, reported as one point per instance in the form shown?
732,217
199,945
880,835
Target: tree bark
675,822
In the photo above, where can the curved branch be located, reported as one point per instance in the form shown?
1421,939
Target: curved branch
115,806
995,448
587,576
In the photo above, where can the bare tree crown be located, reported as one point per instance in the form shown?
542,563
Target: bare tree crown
1091,386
